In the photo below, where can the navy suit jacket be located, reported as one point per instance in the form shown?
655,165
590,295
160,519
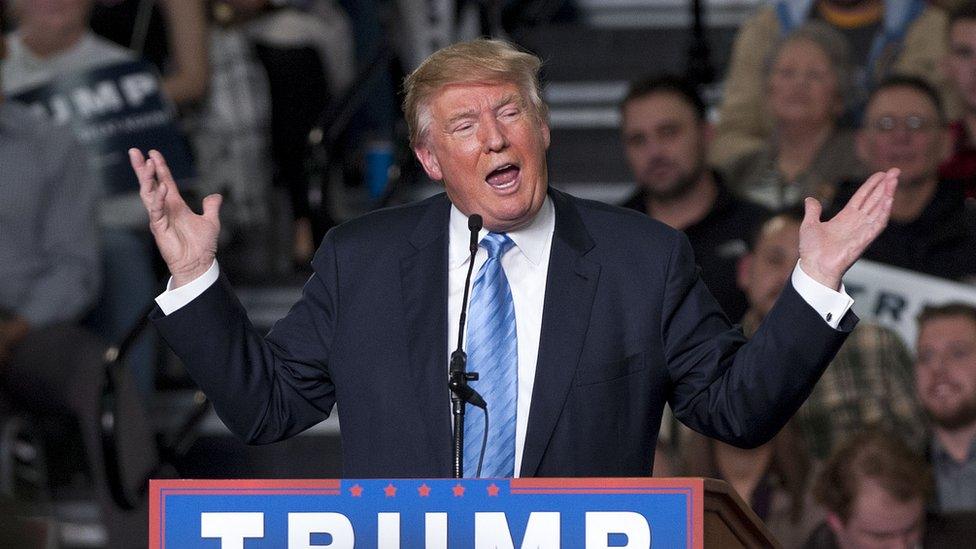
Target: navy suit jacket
627,326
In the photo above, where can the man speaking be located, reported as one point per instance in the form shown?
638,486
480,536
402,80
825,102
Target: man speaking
584,318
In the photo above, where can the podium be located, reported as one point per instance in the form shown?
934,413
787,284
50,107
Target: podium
448,513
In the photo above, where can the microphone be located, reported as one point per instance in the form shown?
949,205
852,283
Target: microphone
459,358
474,225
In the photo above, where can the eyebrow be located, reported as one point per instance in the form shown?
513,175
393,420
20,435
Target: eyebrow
472,113
510,98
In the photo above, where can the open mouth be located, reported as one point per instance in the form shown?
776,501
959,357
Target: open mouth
503,177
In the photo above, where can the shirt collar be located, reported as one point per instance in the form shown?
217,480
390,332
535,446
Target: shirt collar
531,240
941,455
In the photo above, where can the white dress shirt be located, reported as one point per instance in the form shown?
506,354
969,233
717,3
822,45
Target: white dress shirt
526,266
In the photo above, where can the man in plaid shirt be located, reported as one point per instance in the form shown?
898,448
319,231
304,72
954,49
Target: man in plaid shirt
869,382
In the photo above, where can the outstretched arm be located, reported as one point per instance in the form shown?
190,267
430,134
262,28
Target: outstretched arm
187,241
828,249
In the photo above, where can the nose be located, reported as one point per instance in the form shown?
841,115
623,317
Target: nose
493,135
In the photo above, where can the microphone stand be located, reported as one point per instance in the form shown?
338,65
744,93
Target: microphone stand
461,392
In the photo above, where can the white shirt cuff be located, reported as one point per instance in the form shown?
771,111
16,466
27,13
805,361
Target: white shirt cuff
172,300
830,304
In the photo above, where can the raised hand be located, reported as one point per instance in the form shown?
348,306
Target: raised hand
187,241
828,249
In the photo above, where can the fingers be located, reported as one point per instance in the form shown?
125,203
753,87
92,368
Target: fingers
811,210
151,192
162,169
864,192
143,170
211,208
882,195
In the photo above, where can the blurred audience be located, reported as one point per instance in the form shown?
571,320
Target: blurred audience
665,138
961,68
308,56
49,277
930,230
52,39
869,382
945,374
885,36
231,134
807,81
774,479
875,489
172,34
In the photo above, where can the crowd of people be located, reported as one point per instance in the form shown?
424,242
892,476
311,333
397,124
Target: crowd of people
818,94
883,452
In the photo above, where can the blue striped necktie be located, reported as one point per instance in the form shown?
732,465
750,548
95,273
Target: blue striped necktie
493,354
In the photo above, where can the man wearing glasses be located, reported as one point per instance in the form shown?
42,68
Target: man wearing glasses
930,230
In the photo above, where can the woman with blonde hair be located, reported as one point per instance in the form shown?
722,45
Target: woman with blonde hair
807,78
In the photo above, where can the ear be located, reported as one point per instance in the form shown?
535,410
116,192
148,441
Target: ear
428,159
743,270
545,133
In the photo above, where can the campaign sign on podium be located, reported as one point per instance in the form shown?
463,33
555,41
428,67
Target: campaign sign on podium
426,513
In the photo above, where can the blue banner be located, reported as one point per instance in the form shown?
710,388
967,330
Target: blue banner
428,513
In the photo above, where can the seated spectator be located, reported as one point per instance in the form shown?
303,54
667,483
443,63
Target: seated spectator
945,375
49,276
807,81
774,479
173,37
50,41
874,489
930,229
665,138
868,383
885,36
961,68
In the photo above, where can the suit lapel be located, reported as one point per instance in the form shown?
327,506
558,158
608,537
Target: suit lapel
423,275
570,287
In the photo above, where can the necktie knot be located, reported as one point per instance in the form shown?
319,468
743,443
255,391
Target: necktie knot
496,244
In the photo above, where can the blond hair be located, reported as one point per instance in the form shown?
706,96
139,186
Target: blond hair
480,61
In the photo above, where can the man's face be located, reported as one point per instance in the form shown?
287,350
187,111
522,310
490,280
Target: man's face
945,371
764,272
902,130
879,521
665,143
961,62
488,146
803,85
56,17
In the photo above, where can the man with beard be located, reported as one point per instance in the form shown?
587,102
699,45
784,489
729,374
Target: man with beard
945,378
931,230
666,138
